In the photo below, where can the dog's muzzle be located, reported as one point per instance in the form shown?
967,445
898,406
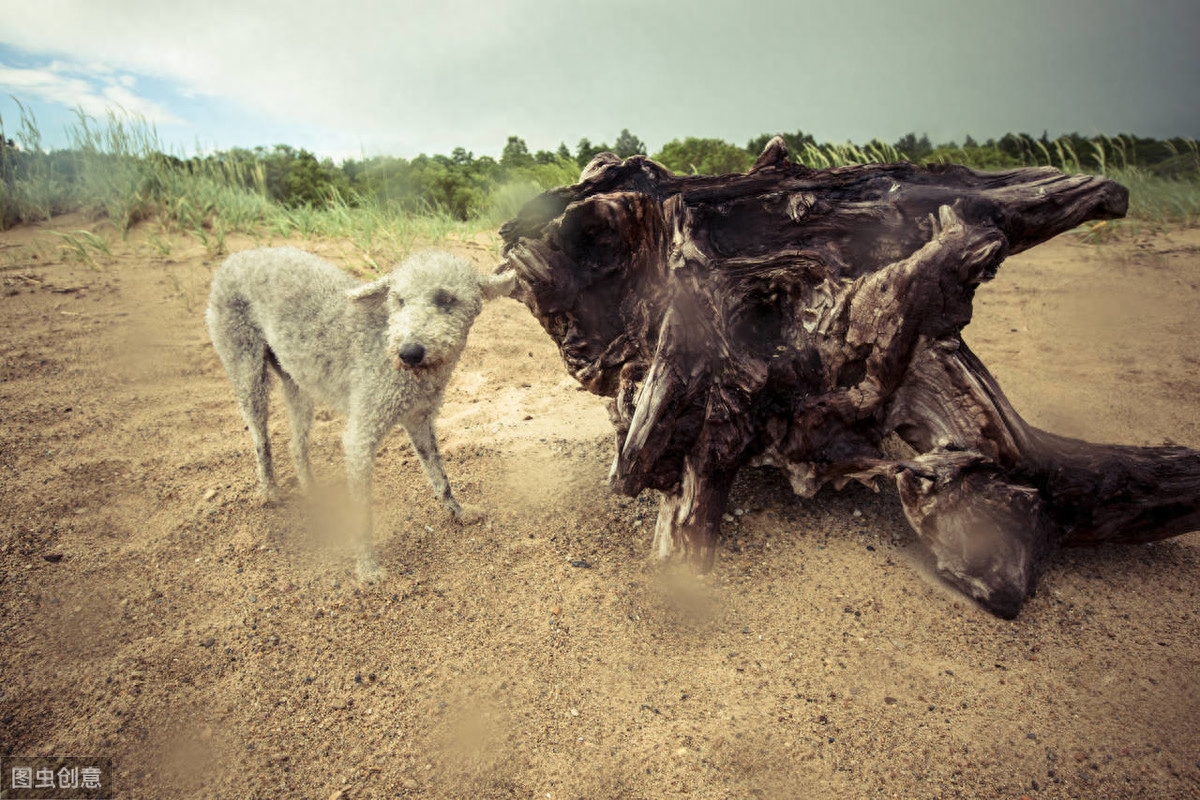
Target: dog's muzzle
410,355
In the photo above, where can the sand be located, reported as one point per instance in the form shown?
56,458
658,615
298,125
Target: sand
156,613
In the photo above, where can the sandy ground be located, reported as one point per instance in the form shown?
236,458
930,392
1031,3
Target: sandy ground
156,613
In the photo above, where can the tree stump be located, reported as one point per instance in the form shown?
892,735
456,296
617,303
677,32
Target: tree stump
799,318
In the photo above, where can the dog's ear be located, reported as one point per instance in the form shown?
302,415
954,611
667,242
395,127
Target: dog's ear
494,286
369,294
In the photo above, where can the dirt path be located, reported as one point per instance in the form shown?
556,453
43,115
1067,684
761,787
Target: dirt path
154,612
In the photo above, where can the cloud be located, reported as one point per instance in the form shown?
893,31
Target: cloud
75,87
378,68
409,76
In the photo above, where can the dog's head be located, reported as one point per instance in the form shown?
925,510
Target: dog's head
431,301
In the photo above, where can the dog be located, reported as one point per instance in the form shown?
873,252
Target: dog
379,353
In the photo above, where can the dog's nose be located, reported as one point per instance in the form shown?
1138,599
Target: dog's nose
412,354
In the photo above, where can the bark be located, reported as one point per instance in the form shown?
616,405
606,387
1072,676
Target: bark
797,318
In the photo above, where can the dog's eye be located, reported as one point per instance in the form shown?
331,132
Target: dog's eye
445,301
397,301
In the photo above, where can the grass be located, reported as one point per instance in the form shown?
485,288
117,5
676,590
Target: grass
116,170
825,156
81,245
1164,195
1157,200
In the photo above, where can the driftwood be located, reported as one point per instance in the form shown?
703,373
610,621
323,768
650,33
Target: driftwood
799,318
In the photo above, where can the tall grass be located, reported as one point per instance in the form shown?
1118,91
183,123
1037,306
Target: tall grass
1158,200
30,187
508,198
825,156
116,169
1167,193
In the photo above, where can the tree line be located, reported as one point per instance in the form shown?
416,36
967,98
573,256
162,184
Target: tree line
465,185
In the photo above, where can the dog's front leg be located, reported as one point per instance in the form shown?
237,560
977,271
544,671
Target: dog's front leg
420,431
359,447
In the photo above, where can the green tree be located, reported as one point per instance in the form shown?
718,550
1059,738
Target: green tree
585,151
276,162
306,182
914,148
515,154
795,143
352,169
453,184
704,157
628,145
1018,146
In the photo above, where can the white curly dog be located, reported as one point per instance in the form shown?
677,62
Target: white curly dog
379,353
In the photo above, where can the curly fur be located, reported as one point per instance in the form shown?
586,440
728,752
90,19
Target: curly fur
379,353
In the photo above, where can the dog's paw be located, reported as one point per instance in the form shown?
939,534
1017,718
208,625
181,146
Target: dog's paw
299,483
368,569
468,515
269,495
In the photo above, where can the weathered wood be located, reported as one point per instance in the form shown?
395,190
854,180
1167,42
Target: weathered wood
797,318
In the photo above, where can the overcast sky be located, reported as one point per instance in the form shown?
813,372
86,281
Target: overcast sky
399,77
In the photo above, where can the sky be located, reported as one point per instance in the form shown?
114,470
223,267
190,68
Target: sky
395,77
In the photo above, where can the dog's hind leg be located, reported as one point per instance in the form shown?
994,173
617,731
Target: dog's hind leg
420,431
300,416
246,357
